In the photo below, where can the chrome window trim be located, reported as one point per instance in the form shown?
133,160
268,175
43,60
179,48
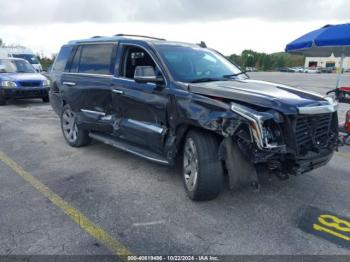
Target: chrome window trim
97,43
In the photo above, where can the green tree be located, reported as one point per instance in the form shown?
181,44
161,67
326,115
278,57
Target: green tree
266,62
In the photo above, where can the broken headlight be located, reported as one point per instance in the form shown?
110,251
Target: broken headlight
263,126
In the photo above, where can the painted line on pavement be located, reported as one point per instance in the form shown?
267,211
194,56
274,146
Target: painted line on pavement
95,231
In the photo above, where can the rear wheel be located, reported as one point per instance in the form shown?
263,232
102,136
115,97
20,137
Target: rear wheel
202,169
74,135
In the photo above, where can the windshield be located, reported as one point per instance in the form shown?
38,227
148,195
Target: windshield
30,58
196,64
15,66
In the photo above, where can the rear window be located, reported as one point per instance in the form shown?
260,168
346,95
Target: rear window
61,60
96,59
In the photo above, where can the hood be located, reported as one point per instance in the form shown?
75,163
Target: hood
22,77
264,94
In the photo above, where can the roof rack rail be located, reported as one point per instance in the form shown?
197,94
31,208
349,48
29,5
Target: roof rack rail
96,36
144,36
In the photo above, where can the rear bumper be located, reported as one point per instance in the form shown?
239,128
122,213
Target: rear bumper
24,92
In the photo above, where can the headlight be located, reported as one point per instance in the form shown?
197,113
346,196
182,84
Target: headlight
46,83
262,125
8,84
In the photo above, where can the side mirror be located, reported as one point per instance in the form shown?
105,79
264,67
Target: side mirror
146,74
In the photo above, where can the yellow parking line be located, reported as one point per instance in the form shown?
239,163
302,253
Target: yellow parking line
101,235
343,154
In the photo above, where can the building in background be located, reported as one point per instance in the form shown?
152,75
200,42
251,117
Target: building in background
331,61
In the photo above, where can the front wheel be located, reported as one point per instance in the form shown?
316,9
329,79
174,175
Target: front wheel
202,169
74,135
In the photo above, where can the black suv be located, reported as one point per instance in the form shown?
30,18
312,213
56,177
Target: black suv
165,101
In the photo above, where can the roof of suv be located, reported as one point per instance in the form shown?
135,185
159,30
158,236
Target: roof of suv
119,37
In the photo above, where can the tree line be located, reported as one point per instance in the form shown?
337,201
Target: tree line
266,62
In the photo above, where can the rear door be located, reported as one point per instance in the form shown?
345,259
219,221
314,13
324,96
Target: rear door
140,107
88,85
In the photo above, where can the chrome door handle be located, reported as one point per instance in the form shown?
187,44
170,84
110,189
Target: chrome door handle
117,91
69,83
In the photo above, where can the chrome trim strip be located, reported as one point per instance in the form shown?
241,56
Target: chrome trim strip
117,91
93,112
88,74
164,162
69,83
315,110
151,127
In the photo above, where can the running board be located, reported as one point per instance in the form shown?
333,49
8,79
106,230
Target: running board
135,150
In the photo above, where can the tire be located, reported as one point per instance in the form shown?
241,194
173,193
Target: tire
2,101
202,170
74,135
46,99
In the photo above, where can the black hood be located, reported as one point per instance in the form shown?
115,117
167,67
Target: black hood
265,94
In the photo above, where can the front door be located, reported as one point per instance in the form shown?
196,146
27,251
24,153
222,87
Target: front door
141,106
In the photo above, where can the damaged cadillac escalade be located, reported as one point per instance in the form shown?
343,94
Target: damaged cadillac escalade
165,101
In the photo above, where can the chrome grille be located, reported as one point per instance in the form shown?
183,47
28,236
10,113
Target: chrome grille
30,83
312,132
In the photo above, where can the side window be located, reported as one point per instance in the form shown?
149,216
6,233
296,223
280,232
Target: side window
76,60
62,58
133,57
96,59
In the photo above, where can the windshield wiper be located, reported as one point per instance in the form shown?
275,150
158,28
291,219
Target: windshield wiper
233,75
206,79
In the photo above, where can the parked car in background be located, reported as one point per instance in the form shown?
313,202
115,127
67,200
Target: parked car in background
326,70
251,69
21,52
19,79
312,70
297,69
284,69
347,70
167,101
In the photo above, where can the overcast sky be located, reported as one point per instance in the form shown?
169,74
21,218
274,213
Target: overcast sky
227,25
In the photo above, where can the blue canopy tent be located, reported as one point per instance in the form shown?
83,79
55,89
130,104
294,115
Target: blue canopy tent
328,40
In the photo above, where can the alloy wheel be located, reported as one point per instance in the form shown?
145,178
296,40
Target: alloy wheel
69,126
190,164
